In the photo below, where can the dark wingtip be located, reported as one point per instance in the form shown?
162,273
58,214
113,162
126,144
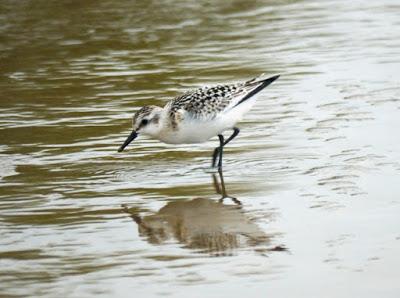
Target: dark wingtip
276,77
271,79
261,85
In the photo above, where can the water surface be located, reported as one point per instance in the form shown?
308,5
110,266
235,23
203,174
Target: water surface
315,168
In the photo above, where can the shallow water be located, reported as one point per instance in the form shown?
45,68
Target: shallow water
316,165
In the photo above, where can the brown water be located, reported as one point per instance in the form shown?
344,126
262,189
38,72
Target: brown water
316,166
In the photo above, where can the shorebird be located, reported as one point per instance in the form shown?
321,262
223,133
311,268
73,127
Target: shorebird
198,115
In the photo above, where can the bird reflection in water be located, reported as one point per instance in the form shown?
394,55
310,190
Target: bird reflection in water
203,224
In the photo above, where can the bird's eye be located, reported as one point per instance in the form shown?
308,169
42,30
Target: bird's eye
144,122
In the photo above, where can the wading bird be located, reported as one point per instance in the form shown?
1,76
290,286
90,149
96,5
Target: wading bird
198,115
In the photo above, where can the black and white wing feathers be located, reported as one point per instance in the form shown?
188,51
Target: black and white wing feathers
207,102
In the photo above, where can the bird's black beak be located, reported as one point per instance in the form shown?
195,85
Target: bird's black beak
131,137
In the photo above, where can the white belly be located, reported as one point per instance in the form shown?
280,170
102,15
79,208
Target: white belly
199,131
193,132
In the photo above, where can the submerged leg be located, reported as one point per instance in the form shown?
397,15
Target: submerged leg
222,190
218,150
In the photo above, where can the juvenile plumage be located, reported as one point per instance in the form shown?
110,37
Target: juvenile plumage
198,115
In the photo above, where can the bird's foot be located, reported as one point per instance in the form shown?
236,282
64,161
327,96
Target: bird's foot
234,200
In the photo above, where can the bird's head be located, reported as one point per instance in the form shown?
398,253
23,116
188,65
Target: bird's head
145,121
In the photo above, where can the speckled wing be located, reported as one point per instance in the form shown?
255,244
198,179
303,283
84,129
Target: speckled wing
207,102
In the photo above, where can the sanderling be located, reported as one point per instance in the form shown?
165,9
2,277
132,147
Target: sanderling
198,115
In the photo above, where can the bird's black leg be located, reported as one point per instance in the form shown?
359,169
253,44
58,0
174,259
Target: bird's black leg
218,150
223,143
235,133
214,158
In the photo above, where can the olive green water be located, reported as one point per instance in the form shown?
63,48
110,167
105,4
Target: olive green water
316,166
